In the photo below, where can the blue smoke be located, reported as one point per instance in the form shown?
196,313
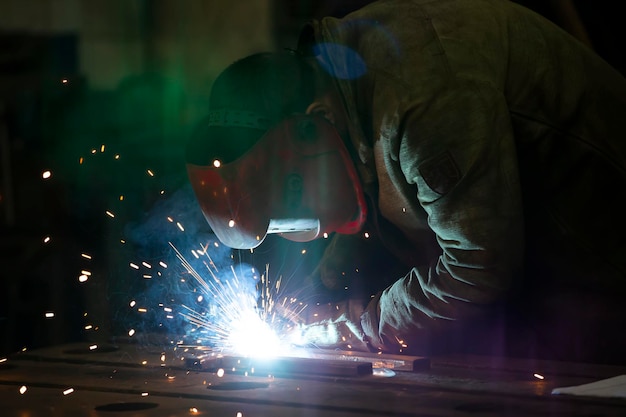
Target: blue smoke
177,224
343,62
351,66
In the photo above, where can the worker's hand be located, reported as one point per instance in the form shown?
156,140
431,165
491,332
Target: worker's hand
333,326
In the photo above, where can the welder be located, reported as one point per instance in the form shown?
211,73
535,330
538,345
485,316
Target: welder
472,143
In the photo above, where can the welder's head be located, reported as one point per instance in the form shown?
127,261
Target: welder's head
265,160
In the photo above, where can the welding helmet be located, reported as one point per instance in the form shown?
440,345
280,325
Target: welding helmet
297,180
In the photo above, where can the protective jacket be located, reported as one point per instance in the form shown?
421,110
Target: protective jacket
491,144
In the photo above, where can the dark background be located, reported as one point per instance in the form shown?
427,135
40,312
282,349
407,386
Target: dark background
55,116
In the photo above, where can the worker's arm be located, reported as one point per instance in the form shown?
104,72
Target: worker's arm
458,151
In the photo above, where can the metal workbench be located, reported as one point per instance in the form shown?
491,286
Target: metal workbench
139,380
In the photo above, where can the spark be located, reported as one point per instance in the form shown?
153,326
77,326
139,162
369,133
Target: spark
3,360
538,376
102,148
237,322
23,389
46,239
366,235
64,80
144,394
131,332
110,214
150,173
193,410
93,347
180,226
68,391
86,256
217,163
46,174
49,315
220,372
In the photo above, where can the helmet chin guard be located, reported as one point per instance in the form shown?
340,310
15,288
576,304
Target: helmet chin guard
298,180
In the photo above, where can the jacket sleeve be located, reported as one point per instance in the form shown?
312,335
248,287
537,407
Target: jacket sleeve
457,149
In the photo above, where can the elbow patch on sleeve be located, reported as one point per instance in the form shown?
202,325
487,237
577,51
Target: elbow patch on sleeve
440,173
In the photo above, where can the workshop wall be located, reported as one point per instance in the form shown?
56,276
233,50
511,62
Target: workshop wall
82,82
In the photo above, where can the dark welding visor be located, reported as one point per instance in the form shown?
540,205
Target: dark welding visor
297,180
